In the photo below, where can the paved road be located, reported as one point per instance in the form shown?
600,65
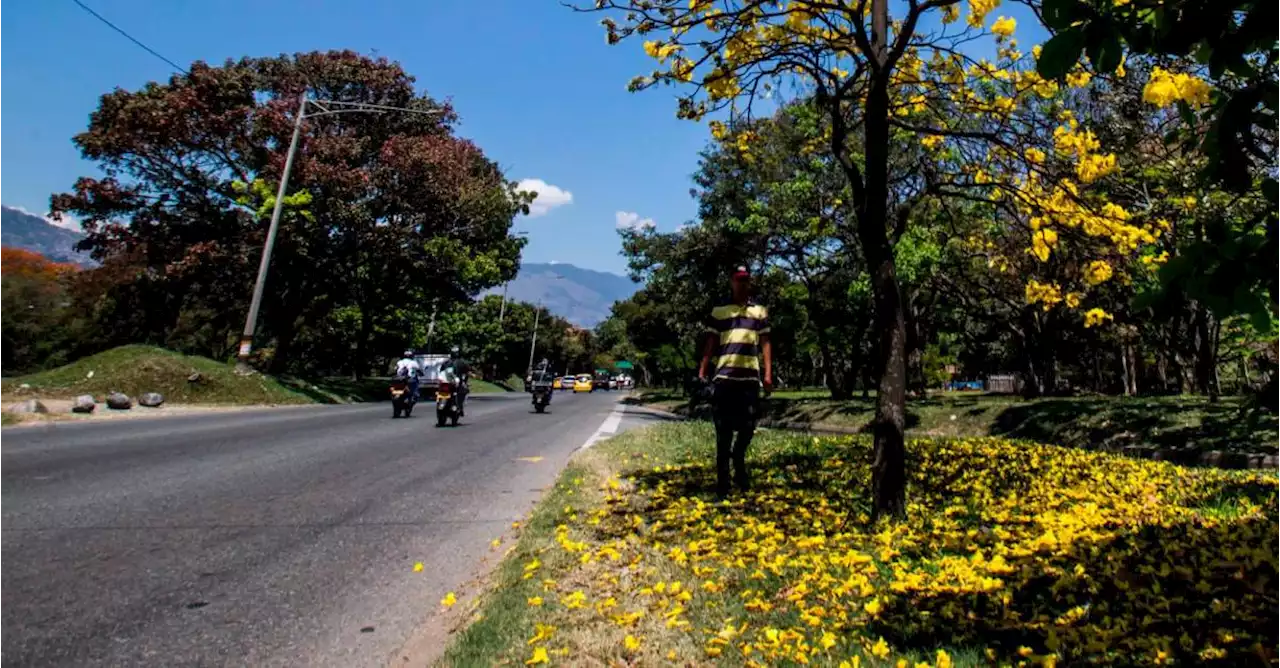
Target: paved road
282,537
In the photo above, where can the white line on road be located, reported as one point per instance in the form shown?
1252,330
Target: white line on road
607,428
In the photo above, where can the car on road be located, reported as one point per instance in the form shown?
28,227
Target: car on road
567,382
582,383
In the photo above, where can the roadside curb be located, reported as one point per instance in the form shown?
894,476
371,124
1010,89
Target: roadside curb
1213,458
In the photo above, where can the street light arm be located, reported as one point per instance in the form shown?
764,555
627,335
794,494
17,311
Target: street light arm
367,107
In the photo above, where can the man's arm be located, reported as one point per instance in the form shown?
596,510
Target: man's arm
766,350
708,350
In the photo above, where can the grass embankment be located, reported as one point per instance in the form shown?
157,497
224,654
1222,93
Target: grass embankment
1012,553
1188,423
486,387
136,369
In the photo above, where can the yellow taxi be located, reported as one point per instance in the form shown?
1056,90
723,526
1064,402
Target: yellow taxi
582,383
557,384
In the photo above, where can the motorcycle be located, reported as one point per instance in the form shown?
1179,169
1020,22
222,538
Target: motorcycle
541,397
402,399
446,405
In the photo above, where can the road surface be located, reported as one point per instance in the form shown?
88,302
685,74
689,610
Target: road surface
283,537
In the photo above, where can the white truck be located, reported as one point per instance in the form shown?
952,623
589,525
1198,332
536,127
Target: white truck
430,365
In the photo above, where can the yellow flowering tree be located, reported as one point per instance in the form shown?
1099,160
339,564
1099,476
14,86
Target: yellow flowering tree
878,79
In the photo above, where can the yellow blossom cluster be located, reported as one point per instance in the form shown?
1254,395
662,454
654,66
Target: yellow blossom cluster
978,10
1032,554
931,90
1165,88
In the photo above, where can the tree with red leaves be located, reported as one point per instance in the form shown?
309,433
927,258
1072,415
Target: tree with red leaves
400,213
36,314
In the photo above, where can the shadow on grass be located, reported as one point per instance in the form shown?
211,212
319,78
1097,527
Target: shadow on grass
340,390
1197,588
1190,425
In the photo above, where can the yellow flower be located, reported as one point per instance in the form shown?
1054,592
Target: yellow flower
539,656
978,10
881,649
1073,299
1096,316
942,660
1079,78
631,643
1034,155
418,567
535,601
931,141
448,600
541,632
1098,271
950,13
1004,27
1164,88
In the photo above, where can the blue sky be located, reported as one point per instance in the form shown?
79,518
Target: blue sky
535,84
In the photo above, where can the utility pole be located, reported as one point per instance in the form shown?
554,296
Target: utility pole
324,107
251,320
502,311
537,313
534,343
431,328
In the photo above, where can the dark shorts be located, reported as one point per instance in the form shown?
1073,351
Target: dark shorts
735,404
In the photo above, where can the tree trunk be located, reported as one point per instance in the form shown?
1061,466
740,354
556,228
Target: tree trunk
888,468
835,384
360,364
1125,372
915,347
1206,361
1034,387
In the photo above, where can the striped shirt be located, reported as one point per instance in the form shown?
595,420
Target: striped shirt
739,328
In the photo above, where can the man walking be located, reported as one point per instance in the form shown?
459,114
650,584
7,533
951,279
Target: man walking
737,338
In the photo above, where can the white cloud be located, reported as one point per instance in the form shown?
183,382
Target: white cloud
629,220
549,196
68,221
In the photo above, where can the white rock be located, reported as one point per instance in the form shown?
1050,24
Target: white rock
28,406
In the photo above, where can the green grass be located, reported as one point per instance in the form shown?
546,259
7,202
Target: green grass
485,387
340,389
1186,424
136,369
505,613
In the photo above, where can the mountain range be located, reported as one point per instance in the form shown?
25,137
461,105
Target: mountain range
581,296
584,297
19,229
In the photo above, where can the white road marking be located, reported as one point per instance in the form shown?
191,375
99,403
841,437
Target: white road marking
607,428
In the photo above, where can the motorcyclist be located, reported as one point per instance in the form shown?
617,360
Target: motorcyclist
542,375
409,369
459,368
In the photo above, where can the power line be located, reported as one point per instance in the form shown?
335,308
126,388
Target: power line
131,38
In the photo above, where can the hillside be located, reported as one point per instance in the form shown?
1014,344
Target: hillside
137,369
19,229
581,296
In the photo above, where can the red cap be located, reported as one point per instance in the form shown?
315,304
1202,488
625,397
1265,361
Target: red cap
741,272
